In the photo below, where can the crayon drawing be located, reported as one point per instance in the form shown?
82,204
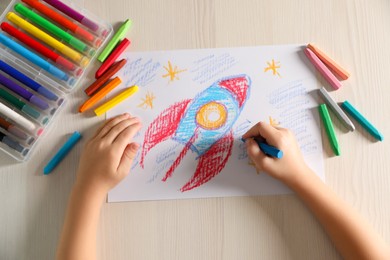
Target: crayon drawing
202,125
273,121
147,101
273,66
195,105
172,72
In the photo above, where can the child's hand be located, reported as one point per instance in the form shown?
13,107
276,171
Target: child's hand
107,157
289,166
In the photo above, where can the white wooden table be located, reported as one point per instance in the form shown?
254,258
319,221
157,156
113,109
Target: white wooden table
355,33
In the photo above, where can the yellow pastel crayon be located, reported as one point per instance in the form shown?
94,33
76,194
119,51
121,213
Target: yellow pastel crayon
116,100
67,51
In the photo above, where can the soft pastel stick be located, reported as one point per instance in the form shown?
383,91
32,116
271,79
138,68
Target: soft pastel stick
64,150
100,94
27,81
46,38
116,100
336,109
268,149
113,56
77,16
342,73
118,36
77,30
103,79
32,57
325,72
19,119
329,128
39,47
53,29
362,120
11,85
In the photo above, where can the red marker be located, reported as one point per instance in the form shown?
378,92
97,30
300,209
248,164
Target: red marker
113,56
42,49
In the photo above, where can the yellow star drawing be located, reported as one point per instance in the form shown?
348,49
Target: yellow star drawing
273,122
172,72
253,165
147,101
273,66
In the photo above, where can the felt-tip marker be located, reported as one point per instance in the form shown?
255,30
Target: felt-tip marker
27,81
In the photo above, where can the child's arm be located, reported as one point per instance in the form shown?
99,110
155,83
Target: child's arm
351,234
105,161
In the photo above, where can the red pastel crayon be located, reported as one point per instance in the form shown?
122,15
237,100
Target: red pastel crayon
113,56
103,79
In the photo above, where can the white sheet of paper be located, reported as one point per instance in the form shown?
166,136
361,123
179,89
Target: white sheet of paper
280,89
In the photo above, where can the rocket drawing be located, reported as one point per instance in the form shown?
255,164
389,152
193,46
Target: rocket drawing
202,124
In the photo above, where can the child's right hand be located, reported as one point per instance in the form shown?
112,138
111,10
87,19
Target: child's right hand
286,169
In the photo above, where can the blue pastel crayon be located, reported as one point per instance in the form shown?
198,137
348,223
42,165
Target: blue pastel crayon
268,149
64,150
362,120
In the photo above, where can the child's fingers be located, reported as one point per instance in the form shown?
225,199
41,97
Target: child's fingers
266,131
125,137
253,131
110,124
104,124
127,159
119,128
257,156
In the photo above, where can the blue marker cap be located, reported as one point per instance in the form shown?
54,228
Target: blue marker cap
47,93
64,150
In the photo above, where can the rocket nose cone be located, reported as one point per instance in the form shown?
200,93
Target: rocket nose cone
238,86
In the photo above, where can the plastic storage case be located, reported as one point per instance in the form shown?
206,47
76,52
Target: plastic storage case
46,47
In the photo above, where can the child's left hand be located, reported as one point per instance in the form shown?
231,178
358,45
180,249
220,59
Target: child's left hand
108,156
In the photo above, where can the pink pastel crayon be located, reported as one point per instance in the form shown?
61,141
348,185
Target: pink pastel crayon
325,72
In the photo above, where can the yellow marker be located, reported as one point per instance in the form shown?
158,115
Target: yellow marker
116,100
28,27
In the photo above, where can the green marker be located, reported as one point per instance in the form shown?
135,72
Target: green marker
76,43
329,128
19,104
119,35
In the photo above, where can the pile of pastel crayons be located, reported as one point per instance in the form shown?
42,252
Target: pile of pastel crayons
45,49
104,83
330,70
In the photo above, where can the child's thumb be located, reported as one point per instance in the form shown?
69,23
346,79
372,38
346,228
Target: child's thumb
128,156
